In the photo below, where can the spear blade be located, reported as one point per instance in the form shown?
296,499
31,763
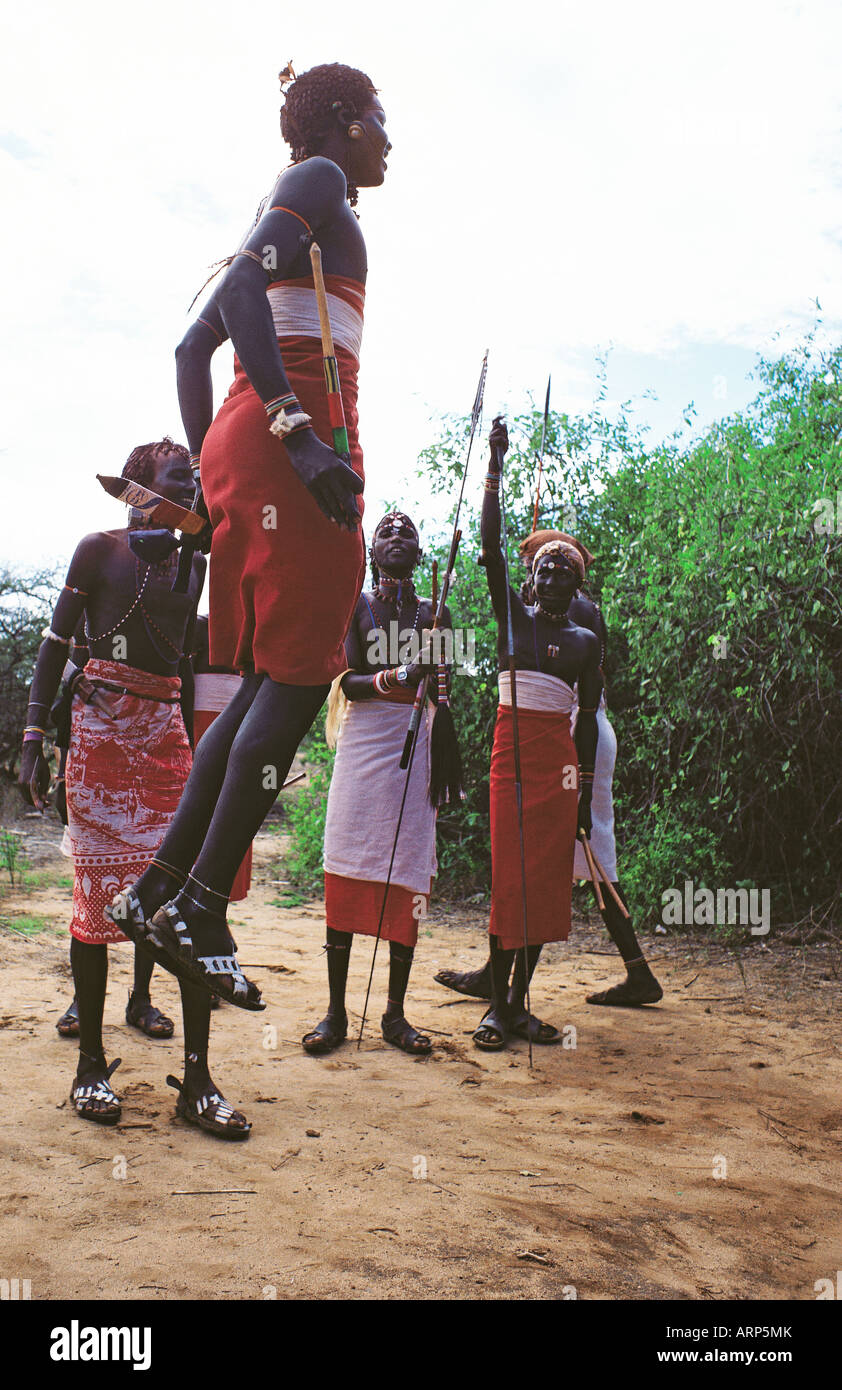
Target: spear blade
541,455
153,506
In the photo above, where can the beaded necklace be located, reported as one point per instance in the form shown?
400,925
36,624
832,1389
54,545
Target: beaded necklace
147,620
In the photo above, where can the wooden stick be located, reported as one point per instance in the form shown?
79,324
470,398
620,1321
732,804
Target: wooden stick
594,876
609,885
321,300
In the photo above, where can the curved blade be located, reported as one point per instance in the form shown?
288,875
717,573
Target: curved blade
153,506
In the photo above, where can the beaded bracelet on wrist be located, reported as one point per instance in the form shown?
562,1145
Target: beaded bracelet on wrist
288,403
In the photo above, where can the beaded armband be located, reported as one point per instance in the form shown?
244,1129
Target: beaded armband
51,636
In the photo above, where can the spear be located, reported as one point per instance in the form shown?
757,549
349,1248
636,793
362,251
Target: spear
335,410
510,641
411,741
541,455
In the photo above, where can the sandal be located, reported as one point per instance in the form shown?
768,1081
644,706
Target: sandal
127,914
210,1111
326,1036
490,1035
476,984
538,1032
400,1033
68,1025
222,975
142,1014
92,1088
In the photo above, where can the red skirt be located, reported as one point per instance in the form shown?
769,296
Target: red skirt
549,826
354,904
284,580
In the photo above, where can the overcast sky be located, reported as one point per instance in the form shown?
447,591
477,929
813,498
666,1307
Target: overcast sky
661,179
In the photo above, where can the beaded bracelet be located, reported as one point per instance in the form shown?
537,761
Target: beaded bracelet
281,403
33,734
385,681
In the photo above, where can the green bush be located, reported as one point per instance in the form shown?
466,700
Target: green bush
305,813
718,567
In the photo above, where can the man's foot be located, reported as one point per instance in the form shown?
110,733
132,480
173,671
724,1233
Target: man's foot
543,1033
398,1031
142,1014
91,1095
196,946
68,1025
639,987
131,915
475,983
493,1032
206,1107
327,1035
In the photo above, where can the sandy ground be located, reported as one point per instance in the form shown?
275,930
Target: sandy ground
687,1151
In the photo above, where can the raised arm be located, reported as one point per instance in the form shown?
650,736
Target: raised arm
490,529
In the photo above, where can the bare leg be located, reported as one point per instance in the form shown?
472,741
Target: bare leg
640,986
493,1032
395,1027
260,757
90,976
333,1029
201,1102
189,825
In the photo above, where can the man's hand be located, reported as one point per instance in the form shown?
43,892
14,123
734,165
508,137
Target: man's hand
34,776
422,666
499,441
584,820
331,482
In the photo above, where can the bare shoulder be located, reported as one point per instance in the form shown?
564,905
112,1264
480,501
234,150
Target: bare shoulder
316,185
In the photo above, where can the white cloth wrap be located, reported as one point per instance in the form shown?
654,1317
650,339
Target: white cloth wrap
365,797
602,802
536,690
296,314
214,691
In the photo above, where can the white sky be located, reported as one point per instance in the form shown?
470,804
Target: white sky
662,178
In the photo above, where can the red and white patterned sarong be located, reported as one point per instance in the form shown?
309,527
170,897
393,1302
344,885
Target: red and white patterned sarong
124,780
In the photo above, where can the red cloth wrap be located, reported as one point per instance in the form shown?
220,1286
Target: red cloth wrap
281,600
202,720
353,905
549,827
124,780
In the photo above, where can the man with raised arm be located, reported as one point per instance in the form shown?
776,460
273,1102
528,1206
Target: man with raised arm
556,664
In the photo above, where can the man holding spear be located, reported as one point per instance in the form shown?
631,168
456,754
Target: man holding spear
546,661
287,559
369,707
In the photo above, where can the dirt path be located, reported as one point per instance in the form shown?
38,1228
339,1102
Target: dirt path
688,1151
